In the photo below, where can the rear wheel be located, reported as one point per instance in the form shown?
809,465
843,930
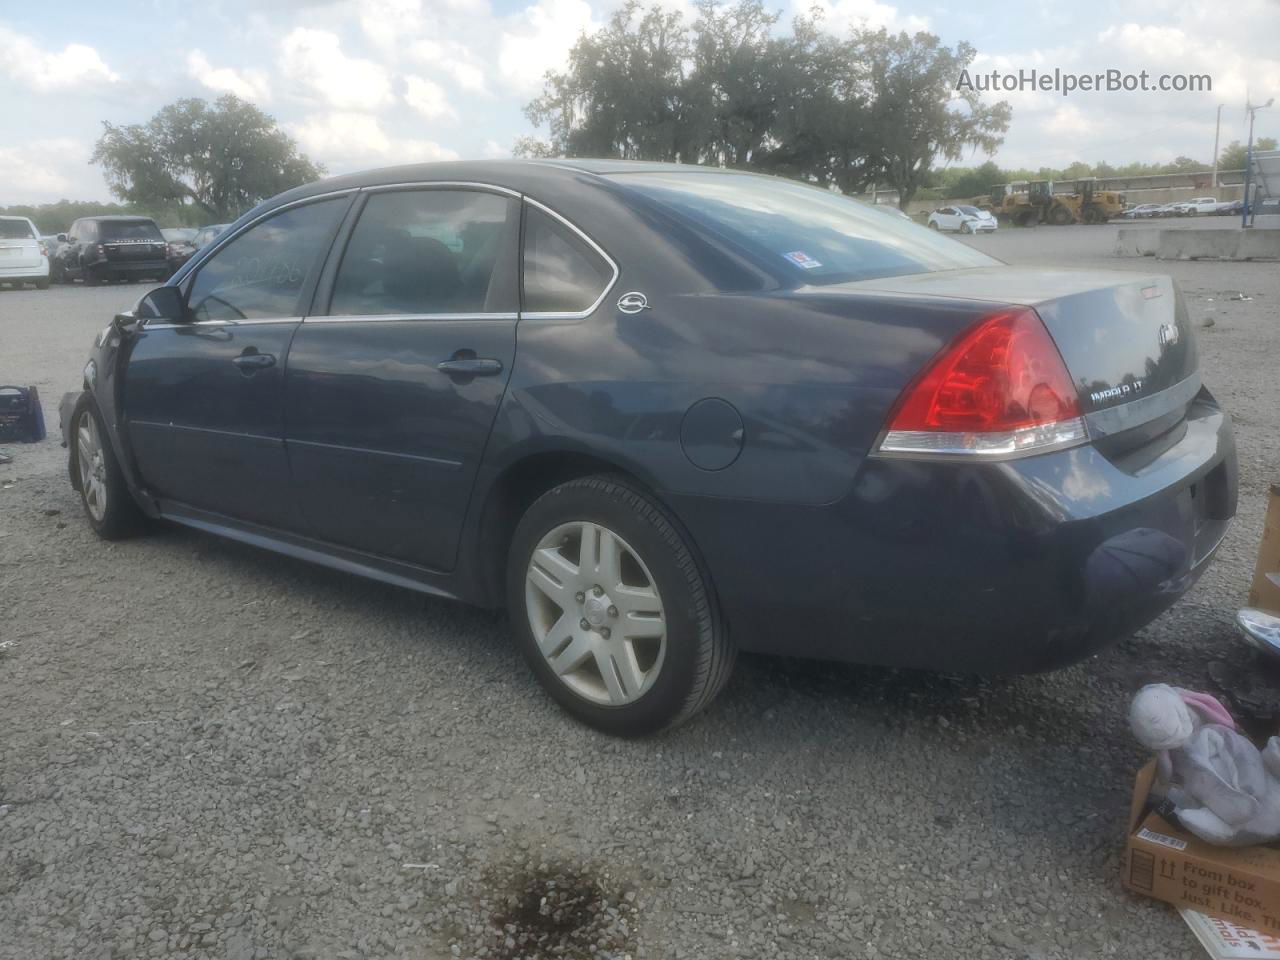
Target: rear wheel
933,224
611,609
92,277
107,502
1060,216
42,283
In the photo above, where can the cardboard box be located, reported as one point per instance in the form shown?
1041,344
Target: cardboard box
1264,593
1163,861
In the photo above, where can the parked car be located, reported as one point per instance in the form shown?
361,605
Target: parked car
23,258
745,414
181,241
1201,205
1267,206
963,219
112,248
1142,211
1231,208
206,235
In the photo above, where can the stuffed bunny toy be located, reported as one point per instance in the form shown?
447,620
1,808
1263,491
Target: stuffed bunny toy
1223,788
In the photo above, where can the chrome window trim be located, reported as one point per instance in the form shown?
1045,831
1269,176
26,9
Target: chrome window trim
566,315
444,184
149,325
393,317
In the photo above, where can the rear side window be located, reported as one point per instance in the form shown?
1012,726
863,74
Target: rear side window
261,273
562,272
16,230
129,230
419,252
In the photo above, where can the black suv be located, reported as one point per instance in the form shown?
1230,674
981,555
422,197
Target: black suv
111,248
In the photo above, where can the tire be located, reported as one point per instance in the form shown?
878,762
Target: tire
1026,219
680,656
108,505
965,228
91,277
42,283
1060,216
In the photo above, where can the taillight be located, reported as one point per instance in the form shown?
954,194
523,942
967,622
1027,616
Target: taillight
102,251
44,248
1001,389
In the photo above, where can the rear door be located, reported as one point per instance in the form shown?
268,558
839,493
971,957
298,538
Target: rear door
19,248
204,399
393,386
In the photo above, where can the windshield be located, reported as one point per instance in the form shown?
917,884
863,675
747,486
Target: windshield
814,235
178,234
128,230
16,230
972,211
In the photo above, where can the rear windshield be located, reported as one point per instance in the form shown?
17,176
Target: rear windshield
128,230
815,235
16,230
179,234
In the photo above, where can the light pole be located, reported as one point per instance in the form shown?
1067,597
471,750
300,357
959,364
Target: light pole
1248,157
1217,130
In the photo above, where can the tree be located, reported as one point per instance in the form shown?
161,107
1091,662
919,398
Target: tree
223,158
1234,154
623,94
913,116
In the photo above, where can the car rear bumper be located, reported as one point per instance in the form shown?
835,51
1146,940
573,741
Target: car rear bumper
25,271
1006,567
132,268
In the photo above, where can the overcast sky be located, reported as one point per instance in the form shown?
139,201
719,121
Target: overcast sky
365,83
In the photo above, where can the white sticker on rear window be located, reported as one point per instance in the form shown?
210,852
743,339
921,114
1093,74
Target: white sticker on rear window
802,259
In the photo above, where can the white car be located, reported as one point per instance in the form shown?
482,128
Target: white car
962,219
23,257
1200,205
1142,211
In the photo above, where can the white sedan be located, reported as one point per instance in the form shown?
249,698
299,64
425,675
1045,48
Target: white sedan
962,219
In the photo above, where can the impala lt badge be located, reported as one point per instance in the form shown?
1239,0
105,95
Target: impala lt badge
1168,334
633,302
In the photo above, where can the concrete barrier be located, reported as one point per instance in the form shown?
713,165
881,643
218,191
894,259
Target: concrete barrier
1254,244
1131,242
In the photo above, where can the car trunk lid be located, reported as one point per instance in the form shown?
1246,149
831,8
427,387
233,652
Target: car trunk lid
1126,339
133,249
18,248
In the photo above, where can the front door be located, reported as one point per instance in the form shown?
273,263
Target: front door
390,395
205,398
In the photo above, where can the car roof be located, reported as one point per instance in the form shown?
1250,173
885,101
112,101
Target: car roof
8,216
118,218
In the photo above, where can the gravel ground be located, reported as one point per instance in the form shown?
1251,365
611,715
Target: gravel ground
210,751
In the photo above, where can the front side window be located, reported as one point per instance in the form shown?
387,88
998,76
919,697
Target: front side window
417,252
812,235
562,272
261,273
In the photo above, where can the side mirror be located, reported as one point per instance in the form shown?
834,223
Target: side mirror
62,238
162,303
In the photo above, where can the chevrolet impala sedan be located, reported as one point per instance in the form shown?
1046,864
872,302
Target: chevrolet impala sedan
663,414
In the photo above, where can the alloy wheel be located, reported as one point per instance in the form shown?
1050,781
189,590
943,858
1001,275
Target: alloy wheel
596,613
93,466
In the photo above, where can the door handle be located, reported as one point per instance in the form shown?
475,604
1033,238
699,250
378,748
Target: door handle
249,362
470,367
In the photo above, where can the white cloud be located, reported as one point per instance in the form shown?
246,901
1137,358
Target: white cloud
428,99
246,84
344,140
453,61
539,38
313,62
494,151
841,16
23,60
39,170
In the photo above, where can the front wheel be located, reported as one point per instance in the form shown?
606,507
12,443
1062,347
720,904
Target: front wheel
612,610
965,228
933,224
92,277
107,502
